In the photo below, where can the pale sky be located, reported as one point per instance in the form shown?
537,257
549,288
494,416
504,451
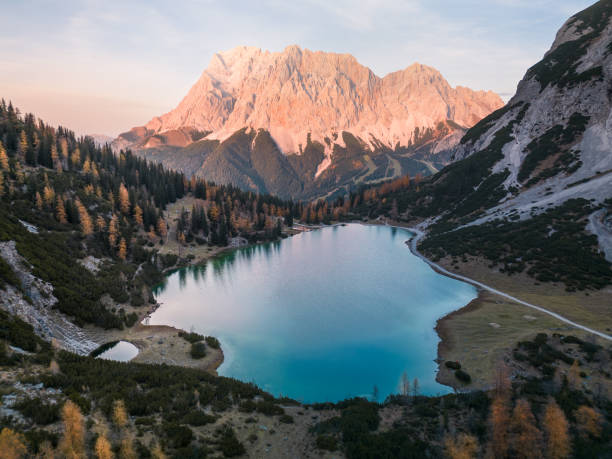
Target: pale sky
104,66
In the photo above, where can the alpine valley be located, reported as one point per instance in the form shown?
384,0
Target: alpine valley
357,267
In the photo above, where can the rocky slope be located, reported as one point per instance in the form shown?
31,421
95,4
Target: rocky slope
306,123
553,140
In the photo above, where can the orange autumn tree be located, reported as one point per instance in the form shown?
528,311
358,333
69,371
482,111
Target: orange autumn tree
60,210
120,417
526,438
556,430
122,249
124,199
72,443
4,161
126,450
499,420
12,444
588,422
138,215
103,448
463,446
84,218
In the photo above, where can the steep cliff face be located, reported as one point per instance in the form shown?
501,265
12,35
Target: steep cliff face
553,140
305,99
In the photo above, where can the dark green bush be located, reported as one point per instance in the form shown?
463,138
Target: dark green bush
198,350
229,444
213,342
453,365
327,442
463,376
191,337
37,410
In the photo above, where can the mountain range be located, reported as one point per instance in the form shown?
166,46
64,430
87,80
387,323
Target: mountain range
299,123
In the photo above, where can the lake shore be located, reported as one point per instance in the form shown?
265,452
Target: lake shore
159,344
483,333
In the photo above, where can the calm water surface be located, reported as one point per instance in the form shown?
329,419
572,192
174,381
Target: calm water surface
321,316
121,352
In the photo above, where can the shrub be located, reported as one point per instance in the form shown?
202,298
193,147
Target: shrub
192,337
463,376
179,436
38,411
327,442
269,408
453,365
213,342
198,418
229,444
198,350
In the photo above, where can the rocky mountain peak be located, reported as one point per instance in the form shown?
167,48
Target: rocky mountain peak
297,92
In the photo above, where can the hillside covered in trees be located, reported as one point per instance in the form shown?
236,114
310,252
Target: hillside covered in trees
63,199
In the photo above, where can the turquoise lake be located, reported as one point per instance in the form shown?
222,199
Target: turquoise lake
321,316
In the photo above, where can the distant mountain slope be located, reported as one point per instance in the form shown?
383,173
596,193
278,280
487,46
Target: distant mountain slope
351,125
530,189
553,140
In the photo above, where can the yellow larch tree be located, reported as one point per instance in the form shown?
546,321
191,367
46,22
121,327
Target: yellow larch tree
4,161
72,443
120,417
84,218
122,253
63,148
126,450
152,235
138,215
499,419
463,446
556,430
48,195
124,199
526,438
46,451
60,210
103,448
39,201
23,146
588,422
12,444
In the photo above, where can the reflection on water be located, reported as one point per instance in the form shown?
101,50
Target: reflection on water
121,352
323,315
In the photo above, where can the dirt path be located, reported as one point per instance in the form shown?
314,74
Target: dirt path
412,243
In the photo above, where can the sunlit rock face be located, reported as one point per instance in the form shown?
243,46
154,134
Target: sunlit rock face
299,96
298,91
